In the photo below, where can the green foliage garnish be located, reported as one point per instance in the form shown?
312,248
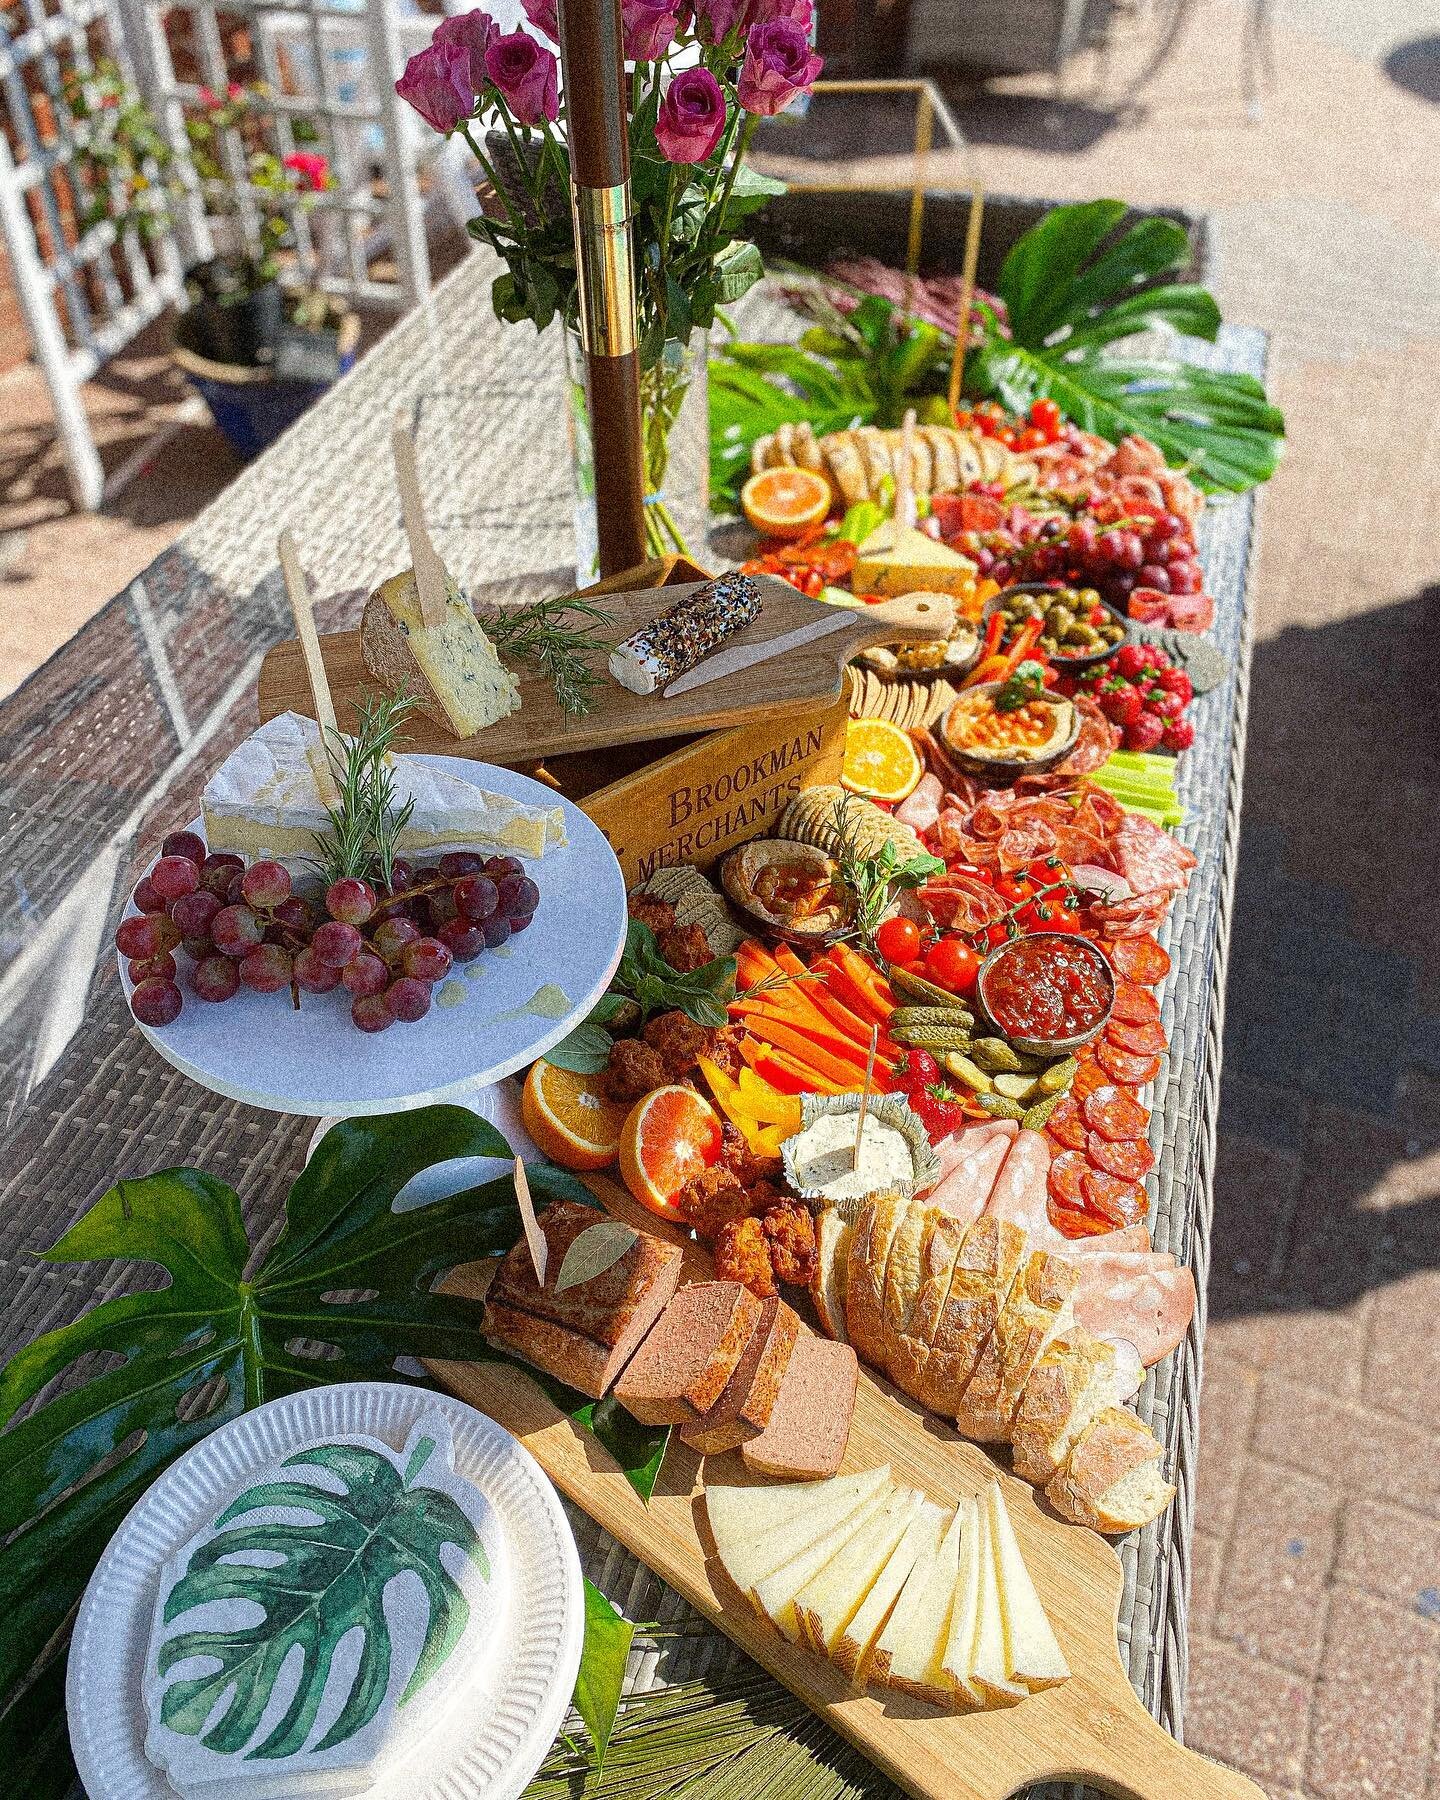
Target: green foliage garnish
1025,684
601,1681
872,882
647,979
365,827
557,638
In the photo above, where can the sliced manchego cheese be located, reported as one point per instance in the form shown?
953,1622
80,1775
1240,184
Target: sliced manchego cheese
757,1527
910,1650
774,1595
989,1671
922,1538
830,1599
902,560
957,1663
1033,1656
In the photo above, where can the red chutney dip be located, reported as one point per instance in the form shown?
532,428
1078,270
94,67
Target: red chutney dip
1047,986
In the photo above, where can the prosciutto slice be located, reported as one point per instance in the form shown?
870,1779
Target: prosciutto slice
964,1191
921,807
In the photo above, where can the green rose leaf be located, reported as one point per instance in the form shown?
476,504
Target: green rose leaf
736,272
601,1678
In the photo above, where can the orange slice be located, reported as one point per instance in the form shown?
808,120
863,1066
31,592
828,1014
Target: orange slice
880,760
669,1137
571,1118
783,503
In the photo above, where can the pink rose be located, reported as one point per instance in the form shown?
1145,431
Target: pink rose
779,66
436,83
474,32
650,27
716,19
799,12
527,76
692,117
311,167
543,16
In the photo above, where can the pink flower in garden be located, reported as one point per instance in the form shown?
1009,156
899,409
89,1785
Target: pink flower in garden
650,27
779,66
207,98
474,32
311,167
234,91
527,76
692,117
542,15
436,83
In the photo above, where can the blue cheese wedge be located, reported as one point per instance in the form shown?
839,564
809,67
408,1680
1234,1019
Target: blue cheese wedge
450,670
265,799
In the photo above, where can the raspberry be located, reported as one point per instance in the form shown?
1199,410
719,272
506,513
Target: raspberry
1178,735
1145,733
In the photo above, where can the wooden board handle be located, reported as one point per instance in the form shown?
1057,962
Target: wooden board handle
919,618
1133,1757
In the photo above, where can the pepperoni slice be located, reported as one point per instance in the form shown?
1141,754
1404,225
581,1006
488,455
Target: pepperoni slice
1119,1201
1125,1067
1134,1003
1072,1223
1129,1158
1067,1174
1141,959
1066,1123
1116,1115
1088,1077
1148,1039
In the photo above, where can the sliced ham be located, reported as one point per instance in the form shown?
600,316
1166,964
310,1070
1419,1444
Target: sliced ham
1021,1192
1129,1238
921,807
966,1189
1152,1311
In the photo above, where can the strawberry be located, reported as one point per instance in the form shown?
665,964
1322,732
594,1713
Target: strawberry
1130,659
1176,681
1121,705
1179,735
938,1109
1168,705
1145,733
917,1069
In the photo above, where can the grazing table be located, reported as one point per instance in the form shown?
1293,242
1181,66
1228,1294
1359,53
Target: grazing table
108,745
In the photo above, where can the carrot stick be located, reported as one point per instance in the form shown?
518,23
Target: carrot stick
820,997
803,1051
867,977
756,1017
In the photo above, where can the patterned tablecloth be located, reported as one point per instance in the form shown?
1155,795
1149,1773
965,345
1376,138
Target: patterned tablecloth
108,745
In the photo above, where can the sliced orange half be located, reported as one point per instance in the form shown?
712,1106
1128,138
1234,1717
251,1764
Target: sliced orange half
880,760
669,1137
571,1118
783,503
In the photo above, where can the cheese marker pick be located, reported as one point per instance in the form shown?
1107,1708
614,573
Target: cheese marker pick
865,1096
303,612
430,577
907,511
534,1236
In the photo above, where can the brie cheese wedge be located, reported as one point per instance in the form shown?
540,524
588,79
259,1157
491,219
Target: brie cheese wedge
265,799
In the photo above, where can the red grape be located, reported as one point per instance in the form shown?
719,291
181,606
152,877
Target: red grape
456,863
521,924
173,876
266,884
402,875
197,946
219,870
477,898
392,935
409,998
337,943
519,897
1153,575
152,934
1185,578
185,843
371,1012
350,900
497,867
156,1002
441,906
236,930
295,915
463,941
497,932
366,975
147,896
161,968
267,969
426,959
215,978
1081,538
194,913
314,976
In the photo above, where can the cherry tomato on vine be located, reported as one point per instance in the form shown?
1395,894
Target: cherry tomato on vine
1038,916
1012,889
993,937
1045,414
1031,438
1046,870
1066,919
952,964
898,940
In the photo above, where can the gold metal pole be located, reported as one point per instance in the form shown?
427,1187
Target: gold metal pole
967,296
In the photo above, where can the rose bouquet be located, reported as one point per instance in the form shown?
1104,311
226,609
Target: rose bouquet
702,75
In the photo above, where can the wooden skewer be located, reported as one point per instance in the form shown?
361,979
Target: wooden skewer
906,511
865,1096
534,1236
967,296
430,580
303,613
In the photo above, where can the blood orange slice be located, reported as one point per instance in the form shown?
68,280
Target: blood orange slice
669,1137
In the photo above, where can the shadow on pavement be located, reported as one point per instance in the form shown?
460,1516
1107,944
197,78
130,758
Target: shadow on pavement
1416,67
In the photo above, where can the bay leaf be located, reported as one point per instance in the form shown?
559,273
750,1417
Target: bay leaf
598,1248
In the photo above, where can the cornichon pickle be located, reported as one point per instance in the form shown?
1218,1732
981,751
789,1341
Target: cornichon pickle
918,991
994,1053
961,1067
1036,1115
999,1107
933,1037
1058,1076
930,1015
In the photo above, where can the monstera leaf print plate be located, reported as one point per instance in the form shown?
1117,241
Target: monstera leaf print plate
365,1588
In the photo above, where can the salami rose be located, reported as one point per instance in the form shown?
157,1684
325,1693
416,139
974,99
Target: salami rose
1128,1158
1115,1115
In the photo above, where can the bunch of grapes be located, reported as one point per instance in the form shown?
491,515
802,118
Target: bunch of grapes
247,927
1142,691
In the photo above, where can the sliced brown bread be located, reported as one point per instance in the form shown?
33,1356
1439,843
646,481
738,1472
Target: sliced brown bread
807,1432
984,1273
827,1284
1113,1480
743,1410
690,1354
1035,1312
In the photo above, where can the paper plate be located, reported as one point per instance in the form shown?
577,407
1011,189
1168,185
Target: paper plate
257,1049
487,1748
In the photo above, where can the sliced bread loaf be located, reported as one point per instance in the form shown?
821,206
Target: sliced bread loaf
1112,1480
1036,1311
827,1284
984,1273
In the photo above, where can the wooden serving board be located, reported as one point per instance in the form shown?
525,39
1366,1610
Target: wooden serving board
813,674
1091,1728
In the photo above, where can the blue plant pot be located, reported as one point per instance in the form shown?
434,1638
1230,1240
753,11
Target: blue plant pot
250,407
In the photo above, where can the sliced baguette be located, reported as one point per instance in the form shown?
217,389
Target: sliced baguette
774,1594
756,1527
1112,1481
852,1647
1036,1311
984,1273
1032,1654
830,1599
828,1283
876,1228
910,1651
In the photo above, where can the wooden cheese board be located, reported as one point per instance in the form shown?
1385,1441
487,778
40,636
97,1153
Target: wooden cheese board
814,674
1091,1728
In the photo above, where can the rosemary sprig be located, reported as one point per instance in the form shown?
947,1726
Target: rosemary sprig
365,827
556,637
871,882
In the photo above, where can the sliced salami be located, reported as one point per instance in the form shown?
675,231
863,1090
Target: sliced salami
1066,1179
1147,1039
1129,1158
1088,1077
1125,1067
1116,1115
1141,959
1120,1201
1134,1003
1071,1222
1138,915
1066,1123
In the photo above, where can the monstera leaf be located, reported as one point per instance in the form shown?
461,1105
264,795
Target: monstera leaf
326,1578
344,1292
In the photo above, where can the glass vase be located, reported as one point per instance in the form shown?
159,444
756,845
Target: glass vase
675,423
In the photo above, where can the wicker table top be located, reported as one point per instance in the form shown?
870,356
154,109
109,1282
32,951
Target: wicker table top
107,747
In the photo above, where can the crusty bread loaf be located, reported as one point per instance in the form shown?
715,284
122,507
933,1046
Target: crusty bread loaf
907,1346
876,1226
1113,1480
1066,1390
902,1278
984,1273
807,1432
567,1355
827,1284
743,1410
691,1352
1035,1312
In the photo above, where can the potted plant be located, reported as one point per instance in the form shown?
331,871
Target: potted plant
702,77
